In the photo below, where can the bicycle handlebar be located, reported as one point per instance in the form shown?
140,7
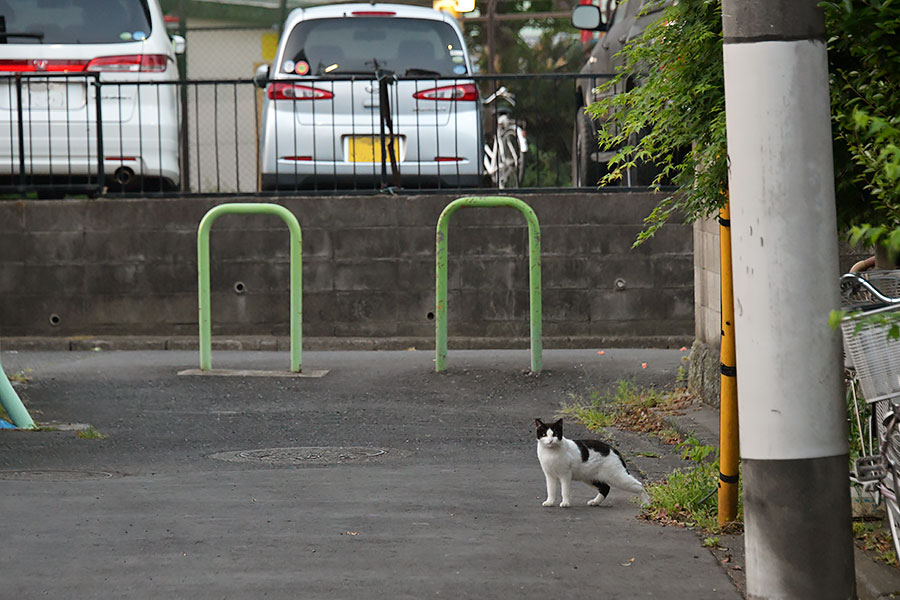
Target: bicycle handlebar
856,280
501,92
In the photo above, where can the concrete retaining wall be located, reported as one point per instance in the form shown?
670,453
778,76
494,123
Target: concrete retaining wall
128,267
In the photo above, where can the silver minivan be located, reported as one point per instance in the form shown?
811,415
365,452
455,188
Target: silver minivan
60,63
370,95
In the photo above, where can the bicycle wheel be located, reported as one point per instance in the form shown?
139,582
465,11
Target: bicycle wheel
883,410
893,513
511,167
890,485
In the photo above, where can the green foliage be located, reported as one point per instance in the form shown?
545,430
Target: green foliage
875,538
688,496
887,321
864,63
603,410
552,53
90,434
858,429
673,113
629,407
546,103
591,417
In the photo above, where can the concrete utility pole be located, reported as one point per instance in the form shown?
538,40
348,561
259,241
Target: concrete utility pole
793,425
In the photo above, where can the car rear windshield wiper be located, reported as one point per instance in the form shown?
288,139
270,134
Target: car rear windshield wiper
21,34
339,73
417,71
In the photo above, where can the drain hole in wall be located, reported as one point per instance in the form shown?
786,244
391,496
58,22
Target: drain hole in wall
239,287
430,316
55,320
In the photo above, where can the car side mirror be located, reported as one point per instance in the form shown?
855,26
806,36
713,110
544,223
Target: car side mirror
589,17
261,78
178,44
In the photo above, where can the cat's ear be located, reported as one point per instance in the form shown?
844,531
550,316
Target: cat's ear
538,423
558,422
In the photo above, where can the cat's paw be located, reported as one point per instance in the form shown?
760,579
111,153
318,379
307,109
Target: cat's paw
548,503
565,504
596,502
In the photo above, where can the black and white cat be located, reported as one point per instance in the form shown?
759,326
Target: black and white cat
590,461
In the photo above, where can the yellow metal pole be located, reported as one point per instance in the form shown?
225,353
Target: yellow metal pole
729,450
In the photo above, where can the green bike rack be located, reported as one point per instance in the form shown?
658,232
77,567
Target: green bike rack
534,277
12,404
253,208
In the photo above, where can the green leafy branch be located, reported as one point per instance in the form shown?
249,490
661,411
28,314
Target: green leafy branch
671,112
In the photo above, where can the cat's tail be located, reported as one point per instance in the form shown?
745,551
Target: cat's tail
626,481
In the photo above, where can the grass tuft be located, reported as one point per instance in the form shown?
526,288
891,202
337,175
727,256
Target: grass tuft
687,496
875,539
629,407
90,434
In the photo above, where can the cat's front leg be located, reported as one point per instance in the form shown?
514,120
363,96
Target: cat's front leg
552,490
566,484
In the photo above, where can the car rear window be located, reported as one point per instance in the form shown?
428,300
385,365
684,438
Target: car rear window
359,45
70,22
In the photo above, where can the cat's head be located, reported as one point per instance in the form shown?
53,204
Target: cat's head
548,434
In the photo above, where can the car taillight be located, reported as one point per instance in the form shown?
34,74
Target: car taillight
129,63
293,91
462,91
373,13
42,65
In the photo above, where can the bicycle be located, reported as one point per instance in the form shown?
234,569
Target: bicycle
875,357
504,158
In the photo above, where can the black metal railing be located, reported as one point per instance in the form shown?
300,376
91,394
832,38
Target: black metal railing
76,133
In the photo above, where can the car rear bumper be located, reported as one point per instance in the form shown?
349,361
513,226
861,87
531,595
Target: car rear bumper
301,181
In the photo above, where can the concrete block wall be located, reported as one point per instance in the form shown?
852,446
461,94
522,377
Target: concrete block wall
707,301
128,267
703,375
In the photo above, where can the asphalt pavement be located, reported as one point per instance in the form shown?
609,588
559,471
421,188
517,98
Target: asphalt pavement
379,479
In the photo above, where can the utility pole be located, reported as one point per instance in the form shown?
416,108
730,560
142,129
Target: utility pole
793,422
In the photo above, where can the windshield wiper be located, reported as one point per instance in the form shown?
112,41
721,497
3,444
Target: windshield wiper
340,72
21,34
417,71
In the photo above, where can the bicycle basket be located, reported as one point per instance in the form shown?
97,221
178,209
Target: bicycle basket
875,355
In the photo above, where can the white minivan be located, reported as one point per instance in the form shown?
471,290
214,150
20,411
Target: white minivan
60,62
354,85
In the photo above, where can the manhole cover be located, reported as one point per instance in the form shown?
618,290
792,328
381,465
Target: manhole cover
327,455
53,475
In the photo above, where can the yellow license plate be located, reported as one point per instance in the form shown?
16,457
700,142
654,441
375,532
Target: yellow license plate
367,148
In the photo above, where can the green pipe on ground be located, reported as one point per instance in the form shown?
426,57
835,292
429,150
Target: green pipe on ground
12,404
250,208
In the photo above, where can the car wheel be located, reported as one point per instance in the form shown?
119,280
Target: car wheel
585,172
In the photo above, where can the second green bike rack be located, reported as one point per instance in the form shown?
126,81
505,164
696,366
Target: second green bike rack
253,208
534,273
